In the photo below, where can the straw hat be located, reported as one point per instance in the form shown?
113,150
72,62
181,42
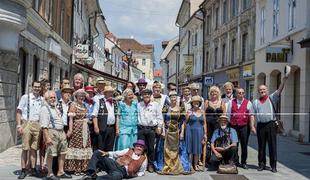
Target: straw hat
100,80
222,117
67,88
196,99
173,93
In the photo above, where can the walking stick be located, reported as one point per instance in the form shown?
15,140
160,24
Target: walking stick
204,155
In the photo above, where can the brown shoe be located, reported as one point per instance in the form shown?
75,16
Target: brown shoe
150,169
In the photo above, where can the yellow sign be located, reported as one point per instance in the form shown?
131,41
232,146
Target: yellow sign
188,64
233,74
247,71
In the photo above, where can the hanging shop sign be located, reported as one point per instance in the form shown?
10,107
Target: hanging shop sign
247,71
277,54
188,66
81,51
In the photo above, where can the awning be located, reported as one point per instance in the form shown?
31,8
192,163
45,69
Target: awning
98,73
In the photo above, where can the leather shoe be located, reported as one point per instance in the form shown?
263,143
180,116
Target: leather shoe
260,168
244,166
52,177
22,175
65,176
150,169
274,170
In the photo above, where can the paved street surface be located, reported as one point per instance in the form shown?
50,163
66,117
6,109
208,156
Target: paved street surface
294,163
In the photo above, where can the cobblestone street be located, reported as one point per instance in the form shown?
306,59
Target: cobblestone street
288,168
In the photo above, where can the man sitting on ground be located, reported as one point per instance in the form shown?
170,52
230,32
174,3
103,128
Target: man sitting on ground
119,164
224,143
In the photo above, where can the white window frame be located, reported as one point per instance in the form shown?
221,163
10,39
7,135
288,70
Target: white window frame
276,11
291,14
262,25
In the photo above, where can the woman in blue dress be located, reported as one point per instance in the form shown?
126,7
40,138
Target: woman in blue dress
196,131
172,157
128,120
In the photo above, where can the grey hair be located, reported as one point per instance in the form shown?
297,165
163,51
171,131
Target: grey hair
79,75
48,93
126,92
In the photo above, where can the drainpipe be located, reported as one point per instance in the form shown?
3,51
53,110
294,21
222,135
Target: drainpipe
178,59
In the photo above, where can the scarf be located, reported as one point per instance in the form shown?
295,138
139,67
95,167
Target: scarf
110,100
263,99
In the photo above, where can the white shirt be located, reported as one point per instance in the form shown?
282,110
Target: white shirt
65,108
34,105
110,108
117,154
227,99
45,118
229,106
150,115
111,115
187,104
97,97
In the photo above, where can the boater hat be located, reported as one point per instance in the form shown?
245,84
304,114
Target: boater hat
67,88
139,142
222,117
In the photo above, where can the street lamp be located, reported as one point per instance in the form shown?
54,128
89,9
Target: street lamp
128,56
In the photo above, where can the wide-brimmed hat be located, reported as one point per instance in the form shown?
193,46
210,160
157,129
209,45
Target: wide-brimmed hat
89,89
100,80
108,89
67,88
196,99
141,81
147,91
222,117
139,142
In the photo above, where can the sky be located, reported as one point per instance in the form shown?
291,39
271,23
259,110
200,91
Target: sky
148,21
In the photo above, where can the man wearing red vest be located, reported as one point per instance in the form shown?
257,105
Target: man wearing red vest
119,164
240,112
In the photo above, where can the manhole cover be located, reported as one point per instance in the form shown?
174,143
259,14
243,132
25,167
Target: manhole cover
229,177
305,153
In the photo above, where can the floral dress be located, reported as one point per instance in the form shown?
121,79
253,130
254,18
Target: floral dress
79,148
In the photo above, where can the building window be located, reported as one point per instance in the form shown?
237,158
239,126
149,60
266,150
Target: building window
66,74
234,8
275,18
246,4
60,75
244,46
23,70
194,39
215,58
216,17
51,74
208,25
143,62
225,10
291,14
36,66
207,62
224,55
262,25
143,75
233,51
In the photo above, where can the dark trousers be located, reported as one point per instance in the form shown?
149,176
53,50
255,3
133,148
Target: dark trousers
211,128
93,137
228,156
266,132
105,140
243,133
113,169
148,135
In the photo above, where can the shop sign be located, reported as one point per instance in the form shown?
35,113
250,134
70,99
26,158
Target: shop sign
81,51
208,80
233,74
277,54
247,71
188,67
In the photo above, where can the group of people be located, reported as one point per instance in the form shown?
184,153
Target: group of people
80,130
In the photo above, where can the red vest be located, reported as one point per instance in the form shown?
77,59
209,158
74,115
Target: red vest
133,165
239,116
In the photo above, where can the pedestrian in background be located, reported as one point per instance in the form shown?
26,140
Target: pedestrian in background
141,86
63,83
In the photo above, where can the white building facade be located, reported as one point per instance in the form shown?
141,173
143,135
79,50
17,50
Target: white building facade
280,25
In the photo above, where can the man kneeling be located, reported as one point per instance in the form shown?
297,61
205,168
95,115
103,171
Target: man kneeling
119,164
224,143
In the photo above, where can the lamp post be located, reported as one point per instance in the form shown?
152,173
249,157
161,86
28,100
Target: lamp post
128,56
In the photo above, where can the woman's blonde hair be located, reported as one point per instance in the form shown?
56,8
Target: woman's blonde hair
215,88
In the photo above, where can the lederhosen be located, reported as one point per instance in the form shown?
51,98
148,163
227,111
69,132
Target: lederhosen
106,138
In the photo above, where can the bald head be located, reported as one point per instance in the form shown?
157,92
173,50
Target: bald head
263,90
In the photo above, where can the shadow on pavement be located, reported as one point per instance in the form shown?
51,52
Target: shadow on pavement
290,153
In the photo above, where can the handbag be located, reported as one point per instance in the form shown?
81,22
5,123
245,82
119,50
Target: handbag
227,169
278,121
